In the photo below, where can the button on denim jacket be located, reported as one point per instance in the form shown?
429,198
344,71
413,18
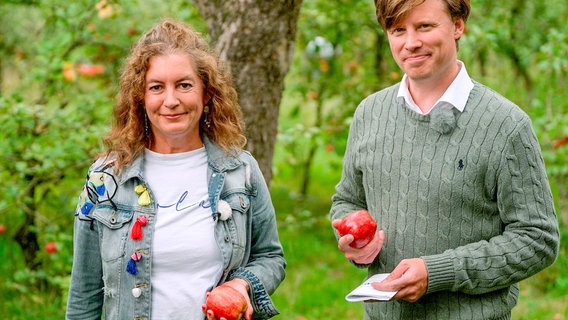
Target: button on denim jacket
109,208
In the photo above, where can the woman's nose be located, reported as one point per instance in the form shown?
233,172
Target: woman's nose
170,100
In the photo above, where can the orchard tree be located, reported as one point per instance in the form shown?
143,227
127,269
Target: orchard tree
256,40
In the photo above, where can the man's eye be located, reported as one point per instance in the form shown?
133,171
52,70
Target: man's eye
397,30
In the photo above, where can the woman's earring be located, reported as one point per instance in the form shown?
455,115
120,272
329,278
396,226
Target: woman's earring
206,116
147,131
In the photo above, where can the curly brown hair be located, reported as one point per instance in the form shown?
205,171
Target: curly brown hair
127,138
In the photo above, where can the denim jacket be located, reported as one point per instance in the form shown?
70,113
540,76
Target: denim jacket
109,209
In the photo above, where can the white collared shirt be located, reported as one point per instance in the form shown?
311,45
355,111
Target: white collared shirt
455,96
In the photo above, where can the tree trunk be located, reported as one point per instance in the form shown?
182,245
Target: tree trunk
256,40
26,236
381,43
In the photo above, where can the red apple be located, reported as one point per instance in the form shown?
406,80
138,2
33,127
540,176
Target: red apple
50,247
226,302
361,225
90,70
2,228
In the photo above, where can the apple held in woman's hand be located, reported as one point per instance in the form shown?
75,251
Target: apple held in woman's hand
361,225
226,302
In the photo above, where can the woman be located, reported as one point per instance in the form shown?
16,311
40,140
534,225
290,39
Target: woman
174,207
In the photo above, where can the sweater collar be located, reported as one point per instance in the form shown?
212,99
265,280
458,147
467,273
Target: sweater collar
455,96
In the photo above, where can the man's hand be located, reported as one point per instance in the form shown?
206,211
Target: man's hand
409,278
364,255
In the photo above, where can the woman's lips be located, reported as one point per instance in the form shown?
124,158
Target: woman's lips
172,116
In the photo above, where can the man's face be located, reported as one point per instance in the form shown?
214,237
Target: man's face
423,43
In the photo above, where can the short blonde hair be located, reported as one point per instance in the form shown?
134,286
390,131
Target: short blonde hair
389,12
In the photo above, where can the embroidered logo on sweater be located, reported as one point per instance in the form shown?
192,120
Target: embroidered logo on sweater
461,164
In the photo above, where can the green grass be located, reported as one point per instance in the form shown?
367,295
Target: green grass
534,304
318,277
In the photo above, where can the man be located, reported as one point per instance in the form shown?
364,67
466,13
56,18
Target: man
453,174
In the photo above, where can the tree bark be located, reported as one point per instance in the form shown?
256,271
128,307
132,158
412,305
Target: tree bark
255,38
26,236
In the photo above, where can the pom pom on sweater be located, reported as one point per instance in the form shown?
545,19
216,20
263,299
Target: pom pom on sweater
443,120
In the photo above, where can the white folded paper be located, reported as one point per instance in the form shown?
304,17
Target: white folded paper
366,292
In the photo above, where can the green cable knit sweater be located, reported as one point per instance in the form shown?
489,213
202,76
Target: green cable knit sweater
467,192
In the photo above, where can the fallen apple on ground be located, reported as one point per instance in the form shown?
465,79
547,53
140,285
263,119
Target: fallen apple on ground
361,225
226,302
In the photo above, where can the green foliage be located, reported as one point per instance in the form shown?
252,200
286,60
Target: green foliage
333,69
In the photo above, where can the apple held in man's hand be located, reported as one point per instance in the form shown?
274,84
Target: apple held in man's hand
361,225
226,302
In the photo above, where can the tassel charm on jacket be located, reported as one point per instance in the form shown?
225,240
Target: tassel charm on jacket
131,267
136,233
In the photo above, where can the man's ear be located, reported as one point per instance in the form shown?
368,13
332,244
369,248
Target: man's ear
459,26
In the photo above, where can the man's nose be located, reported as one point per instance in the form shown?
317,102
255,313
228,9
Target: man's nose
412,40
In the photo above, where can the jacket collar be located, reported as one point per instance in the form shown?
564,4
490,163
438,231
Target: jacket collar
218,159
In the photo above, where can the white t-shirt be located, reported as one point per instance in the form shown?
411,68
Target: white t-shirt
187,261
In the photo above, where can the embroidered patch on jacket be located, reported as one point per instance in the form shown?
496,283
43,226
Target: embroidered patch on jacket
100,186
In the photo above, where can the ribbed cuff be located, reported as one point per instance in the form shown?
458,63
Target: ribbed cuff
441,274
262,304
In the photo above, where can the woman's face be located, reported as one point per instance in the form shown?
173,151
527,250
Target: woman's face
174,99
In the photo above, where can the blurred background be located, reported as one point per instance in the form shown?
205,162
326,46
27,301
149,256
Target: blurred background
59,66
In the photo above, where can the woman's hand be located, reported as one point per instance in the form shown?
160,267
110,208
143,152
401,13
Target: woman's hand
242,287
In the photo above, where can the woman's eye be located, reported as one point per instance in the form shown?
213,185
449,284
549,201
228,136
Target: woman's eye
185,85
154,88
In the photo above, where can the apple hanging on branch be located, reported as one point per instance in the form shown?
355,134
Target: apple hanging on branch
50,247
226,302
361,225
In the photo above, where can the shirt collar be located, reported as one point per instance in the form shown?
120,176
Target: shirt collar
455,96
